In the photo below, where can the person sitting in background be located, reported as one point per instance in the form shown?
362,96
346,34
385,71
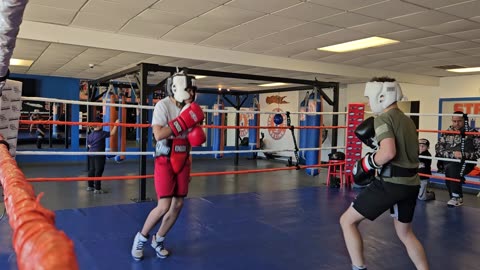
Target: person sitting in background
458,146
425,167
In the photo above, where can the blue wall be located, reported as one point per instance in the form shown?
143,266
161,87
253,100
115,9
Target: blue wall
62,88
68,88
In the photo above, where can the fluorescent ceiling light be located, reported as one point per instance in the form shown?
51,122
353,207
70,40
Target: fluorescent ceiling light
272,84
20,62
359,44
470,69
198,77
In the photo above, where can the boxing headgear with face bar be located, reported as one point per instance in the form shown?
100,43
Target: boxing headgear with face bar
382,94
178,85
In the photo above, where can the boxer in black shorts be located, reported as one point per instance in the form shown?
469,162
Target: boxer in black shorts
393,138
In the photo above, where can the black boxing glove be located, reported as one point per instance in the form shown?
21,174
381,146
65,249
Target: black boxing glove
366,133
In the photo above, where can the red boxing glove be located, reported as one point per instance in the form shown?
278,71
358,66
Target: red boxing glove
196,136
190,115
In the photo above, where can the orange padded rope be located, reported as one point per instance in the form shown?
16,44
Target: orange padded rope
36,241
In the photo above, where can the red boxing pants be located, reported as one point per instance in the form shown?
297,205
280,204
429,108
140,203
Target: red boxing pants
167,183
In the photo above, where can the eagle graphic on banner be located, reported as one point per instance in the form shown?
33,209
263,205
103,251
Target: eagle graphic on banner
276,99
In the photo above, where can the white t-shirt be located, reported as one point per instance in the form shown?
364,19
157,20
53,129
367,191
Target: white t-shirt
165,111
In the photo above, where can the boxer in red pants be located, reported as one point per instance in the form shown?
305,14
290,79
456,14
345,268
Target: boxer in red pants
175,127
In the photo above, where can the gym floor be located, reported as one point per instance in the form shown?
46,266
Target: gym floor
275,220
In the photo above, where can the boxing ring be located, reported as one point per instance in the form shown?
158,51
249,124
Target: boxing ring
249,229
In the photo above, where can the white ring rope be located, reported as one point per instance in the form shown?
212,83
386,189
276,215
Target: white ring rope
449,159
434,114
89,103
64,153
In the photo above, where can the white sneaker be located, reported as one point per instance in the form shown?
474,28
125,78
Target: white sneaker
137,247
159,247
454,202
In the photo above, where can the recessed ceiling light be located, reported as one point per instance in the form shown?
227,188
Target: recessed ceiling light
358,44
20,62
272,84
462,70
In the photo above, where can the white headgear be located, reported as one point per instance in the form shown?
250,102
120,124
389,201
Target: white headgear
382,94
178,84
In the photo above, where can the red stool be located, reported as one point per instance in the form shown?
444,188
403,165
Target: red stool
336,168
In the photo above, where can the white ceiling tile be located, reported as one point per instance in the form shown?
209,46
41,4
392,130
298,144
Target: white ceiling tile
311,55
434,3
343,35
108,22
185,7
95,56
308,12
160,17
186,35
440,55
379,27
29,49
235,68
302,46
124,59
408,59
298,33
472,51
464,10
426,18
64,4
161,60
142,28
362,60
220,1
435,62
345,4
452,27
388,48
339,57
421,50
381,64
455,46
256,46
18,69
48,14
435,40
346,19
223,40
403,66
468,60
389,9
232,15
185,63
142,3
467,35
386,55
285,51
267,6
210,65
208,25
261,27
409,35
120,8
